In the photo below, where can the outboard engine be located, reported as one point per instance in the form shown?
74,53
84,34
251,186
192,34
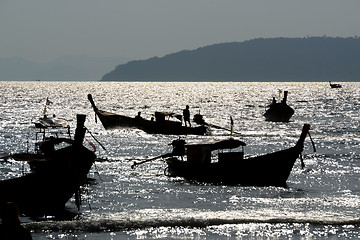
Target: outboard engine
178,147
198,118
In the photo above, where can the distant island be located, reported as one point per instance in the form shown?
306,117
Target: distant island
263,59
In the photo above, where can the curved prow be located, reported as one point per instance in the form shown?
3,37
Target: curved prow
305,131
92,102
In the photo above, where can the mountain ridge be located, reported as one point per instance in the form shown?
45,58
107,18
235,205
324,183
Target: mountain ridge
262,59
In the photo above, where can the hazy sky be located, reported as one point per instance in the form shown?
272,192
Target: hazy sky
43,30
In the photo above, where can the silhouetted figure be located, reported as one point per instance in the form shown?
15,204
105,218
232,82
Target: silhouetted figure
186,114
138,117
10,228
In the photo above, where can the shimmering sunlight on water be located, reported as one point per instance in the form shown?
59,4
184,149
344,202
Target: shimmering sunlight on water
321,201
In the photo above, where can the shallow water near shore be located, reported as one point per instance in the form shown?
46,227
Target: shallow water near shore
321,201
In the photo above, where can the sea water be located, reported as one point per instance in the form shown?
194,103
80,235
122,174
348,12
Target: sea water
321,201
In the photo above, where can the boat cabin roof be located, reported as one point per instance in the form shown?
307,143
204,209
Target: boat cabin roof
164,113
167,114
219,144
52,122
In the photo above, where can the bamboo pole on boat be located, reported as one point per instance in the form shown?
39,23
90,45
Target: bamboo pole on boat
80,129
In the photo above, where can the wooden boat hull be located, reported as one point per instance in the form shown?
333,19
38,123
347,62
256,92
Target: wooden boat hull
114,121
170,128
335,85
279,113
267,170
271,169
54,182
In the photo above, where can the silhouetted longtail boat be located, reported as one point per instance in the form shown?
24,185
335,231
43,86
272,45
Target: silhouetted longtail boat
56,176
271,169
159,125
279,112
335,85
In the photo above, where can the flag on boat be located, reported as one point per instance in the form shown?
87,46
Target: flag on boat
48,102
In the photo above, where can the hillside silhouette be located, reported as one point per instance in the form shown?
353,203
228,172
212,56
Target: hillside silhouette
271,59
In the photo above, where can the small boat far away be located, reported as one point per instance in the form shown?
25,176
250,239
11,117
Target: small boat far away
195,161
160,125
335,85
279,111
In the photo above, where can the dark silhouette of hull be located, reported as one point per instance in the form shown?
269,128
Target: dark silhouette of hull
55,179
48,190
113,121
272,169
279,112
335,85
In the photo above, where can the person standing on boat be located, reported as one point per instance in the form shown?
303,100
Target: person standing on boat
138,117
10,227
186,115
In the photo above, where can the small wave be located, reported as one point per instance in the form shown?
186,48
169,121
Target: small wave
121,225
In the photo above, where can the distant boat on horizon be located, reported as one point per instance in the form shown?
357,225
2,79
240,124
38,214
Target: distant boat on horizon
335,85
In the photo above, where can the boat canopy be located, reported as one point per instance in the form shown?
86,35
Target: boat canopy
165,113
219,144
161,115
52,122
